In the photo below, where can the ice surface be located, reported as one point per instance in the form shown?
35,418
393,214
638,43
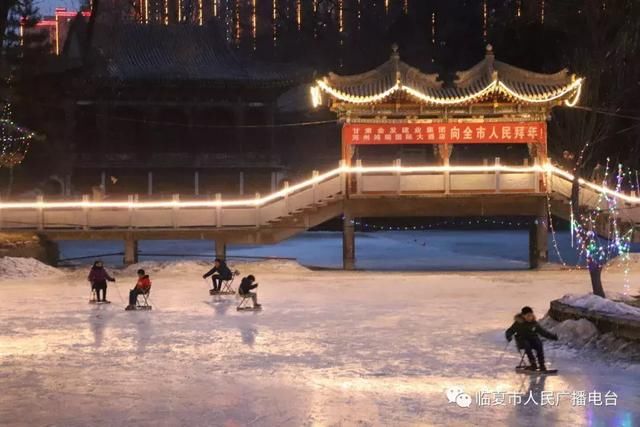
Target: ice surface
329,348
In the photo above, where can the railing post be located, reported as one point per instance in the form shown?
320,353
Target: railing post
257,210
398,173
218,210
359,177
85,210
497,174
174,212
287,211
131,200
40,200
446,176
314,176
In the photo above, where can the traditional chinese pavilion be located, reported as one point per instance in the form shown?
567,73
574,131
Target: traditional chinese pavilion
490,103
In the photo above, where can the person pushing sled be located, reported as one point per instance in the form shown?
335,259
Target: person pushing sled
98,277
526,331
219,273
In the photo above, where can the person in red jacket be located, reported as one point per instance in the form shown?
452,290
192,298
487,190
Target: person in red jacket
98,277
142,287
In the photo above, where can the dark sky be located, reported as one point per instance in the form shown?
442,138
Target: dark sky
47,6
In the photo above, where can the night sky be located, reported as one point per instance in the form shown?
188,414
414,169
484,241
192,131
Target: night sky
47,6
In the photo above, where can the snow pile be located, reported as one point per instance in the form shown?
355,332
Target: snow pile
583,335
576,332
26,268
601,305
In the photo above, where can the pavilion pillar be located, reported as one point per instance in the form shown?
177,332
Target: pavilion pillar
221,249
538,238
130,250
444,152
348,242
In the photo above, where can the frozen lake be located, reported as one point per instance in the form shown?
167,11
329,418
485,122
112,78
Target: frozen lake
330,348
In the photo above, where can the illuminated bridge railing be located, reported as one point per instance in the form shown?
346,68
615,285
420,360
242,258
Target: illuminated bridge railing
321,189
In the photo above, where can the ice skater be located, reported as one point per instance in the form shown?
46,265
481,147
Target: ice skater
246,286
143,286
98,277
220,272
526,330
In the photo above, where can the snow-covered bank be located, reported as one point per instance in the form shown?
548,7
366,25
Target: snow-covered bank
601,305
26,268
583,337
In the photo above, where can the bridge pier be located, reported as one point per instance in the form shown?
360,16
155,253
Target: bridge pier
221,249
538,239
348,242
130,251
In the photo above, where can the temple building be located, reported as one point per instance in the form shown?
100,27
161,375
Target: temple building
152,109
492,110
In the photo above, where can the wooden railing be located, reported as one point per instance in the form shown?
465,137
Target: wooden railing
357,181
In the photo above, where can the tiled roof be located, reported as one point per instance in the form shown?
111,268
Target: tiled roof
384,78
131,51
487,80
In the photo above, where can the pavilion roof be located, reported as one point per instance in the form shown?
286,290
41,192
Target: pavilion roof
487,81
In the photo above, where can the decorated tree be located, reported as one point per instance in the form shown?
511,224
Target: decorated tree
14,143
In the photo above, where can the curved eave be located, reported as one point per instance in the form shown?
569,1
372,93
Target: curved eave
568,95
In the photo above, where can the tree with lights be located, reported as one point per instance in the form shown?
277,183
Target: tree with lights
14,144
606,51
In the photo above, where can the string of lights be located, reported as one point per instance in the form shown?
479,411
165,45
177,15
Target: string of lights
444,223
14,140
496,87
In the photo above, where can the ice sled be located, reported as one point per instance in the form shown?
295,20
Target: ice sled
245,304
226,287
144,305
523,369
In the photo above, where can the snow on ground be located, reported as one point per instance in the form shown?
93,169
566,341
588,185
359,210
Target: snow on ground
329,348
25,268
599,304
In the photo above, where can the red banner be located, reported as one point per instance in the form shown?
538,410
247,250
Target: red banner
445,133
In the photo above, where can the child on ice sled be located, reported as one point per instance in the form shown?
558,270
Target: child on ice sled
143,285
245,288
526,330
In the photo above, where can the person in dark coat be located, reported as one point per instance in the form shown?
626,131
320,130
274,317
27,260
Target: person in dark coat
220,272
98,277
248,284
526,330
